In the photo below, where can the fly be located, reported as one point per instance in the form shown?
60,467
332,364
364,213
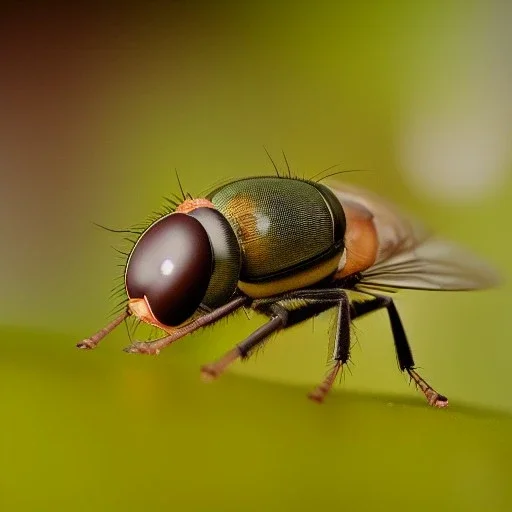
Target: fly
290,249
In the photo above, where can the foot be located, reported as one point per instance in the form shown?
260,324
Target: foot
141,347
434,398
211,371
320,392
87,344
92,342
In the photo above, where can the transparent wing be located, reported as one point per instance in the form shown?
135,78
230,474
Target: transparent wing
434,264
410,256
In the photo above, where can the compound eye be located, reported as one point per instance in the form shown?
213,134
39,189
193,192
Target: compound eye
171,264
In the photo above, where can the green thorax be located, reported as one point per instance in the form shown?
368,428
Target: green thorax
282,224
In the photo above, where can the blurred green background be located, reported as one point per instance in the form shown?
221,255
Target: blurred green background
100,102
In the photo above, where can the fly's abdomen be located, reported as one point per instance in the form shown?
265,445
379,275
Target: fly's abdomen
285,227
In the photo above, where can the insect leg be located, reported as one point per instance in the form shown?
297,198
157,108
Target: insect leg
341,353
92,342
277,321
402,348
288,310
154,347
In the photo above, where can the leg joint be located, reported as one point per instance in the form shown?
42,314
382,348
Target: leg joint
279,311
384,300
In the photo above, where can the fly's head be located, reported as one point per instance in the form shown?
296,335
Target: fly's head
168,271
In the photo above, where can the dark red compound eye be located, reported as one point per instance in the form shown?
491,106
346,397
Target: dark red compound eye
171,264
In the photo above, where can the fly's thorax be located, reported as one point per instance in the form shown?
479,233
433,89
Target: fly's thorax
284,227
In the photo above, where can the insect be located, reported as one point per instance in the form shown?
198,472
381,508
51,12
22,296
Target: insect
289,249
